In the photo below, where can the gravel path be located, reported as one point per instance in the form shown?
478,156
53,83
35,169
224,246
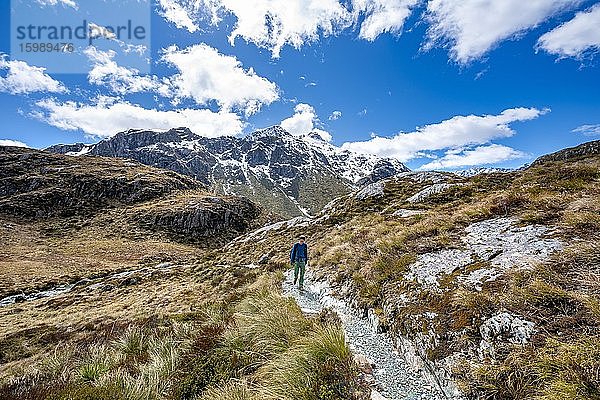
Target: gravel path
394,379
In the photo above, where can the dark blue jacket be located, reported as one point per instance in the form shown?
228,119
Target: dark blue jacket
299,252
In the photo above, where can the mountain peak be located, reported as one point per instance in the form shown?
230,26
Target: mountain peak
288,174
275,131
316,136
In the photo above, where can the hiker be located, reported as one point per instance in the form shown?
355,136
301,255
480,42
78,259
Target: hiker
299,259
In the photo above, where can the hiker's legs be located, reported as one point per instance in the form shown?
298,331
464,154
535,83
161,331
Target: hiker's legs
302,268
296,272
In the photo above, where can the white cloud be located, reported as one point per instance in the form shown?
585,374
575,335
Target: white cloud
481,155
175,11
588,130
382,16
13,143
455,132
335,115
206,75
107,72
273,24
470,28
23,78
575,37
303,122
69,3
109,117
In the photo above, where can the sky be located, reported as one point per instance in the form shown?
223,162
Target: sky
437,84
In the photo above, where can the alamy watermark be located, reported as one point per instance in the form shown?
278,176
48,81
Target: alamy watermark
56,36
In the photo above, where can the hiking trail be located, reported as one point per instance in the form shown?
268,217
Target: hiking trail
394,378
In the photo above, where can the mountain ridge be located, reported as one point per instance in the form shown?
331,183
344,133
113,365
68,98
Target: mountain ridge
289,174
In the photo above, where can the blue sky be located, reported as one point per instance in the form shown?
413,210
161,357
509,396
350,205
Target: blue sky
435,83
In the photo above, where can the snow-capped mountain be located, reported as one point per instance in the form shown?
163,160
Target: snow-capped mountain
467,173
291,175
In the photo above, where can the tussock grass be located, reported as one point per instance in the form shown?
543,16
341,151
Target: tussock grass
139,364
319,367
265,325
262,347
233,390
557,371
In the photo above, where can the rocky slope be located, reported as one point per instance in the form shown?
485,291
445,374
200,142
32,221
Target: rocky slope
62,217
41,184
488,285
477,171
38,184
290,175
572,153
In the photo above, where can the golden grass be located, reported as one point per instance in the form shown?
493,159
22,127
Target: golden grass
33,259
261,347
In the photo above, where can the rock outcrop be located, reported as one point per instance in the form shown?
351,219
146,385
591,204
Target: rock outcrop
39,184
198,217
572,153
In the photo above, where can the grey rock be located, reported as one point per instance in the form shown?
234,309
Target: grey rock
373,190
20,298
573,153
429,191
133,280
500,241
264,259
405,213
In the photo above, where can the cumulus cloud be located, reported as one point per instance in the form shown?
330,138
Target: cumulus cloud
588,130
481,155
381,16
179,13
105,71
576,37
206,75
303,122
453,133
23,78
272,24
13,143
109,117
335,115
69,3
470,28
